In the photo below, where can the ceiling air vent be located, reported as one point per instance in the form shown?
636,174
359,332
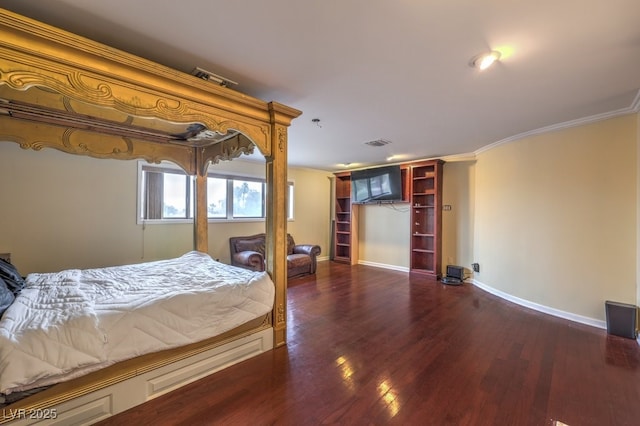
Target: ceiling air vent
378,142
209,76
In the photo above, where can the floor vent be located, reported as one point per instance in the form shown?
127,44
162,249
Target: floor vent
621,319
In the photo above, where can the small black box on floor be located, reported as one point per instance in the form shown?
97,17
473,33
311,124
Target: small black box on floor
621,319
455,275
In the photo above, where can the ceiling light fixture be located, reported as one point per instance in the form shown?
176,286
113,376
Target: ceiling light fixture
484,60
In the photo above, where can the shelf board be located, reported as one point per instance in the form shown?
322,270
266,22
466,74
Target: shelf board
343,244
429,192
422,250
424,271
422,235
343,232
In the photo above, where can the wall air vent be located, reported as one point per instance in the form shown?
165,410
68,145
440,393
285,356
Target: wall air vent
378,142
209,76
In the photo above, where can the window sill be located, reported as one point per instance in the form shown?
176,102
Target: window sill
190,221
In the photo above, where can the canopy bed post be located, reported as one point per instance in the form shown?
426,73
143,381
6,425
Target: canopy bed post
201,221
276,222
201,228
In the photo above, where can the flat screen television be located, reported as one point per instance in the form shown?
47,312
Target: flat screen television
376,184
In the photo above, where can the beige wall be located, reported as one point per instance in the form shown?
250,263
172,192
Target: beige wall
383,232
64,211
312,218
457,224
45,227
555,217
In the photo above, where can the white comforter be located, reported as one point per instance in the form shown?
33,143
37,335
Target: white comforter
66,324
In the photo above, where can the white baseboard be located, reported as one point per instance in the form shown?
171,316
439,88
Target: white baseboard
384,266
322,258
540,308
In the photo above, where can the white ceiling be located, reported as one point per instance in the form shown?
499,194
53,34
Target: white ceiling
386,69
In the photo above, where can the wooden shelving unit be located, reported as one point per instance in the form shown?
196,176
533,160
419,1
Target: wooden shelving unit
425,194
346,222
422,188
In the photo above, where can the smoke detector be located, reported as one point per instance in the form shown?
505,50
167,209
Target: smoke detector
378,142
209,76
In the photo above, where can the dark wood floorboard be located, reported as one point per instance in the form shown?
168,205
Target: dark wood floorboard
368,346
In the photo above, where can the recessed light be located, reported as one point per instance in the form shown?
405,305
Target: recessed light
484,60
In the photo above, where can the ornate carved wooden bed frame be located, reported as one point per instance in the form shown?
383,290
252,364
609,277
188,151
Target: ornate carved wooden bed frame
65,92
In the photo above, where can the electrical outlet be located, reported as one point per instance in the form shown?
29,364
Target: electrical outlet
476,267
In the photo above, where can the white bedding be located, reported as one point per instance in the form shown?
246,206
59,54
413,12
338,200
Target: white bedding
66,324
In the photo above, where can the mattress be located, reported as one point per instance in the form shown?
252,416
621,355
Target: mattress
69,323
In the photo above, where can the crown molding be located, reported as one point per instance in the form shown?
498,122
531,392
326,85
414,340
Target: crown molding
468,156
633,108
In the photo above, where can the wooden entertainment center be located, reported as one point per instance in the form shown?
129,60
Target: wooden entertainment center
422,189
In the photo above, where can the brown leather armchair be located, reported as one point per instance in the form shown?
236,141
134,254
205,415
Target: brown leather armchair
248,252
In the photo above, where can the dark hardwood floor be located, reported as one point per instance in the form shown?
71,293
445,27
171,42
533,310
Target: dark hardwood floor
368,346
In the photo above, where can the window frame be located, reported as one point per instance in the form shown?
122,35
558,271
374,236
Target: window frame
228,175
